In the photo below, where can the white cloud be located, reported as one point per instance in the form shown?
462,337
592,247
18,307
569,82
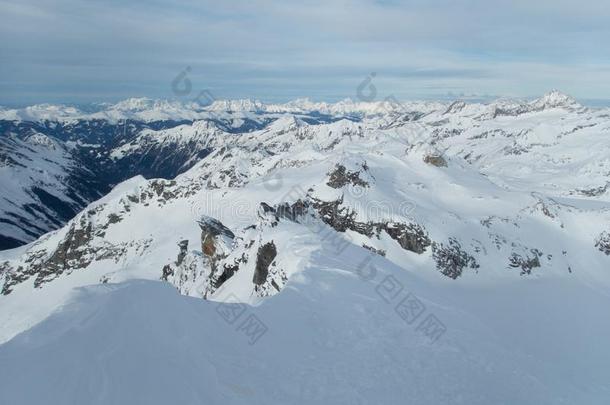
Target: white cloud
312,47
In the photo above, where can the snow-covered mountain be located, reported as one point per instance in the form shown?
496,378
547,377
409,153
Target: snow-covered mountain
430,254
148,110
76,157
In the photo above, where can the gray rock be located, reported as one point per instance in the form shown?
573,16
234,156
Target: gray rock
435,160
603,243
340,177
451,259
265,256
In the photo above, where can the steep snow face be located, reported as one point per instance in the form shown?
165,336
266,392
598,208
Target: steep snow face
36,193
165,153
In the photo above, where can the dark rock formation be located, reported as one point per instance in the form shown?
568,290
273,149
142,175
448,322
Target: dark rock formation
410,236
168,271
213,227
603,243
74,251
379,252
455,107
451,259
526,263
265,256
227,273
216,244
340,177
336,216
291,212
184,246
594,192
435,160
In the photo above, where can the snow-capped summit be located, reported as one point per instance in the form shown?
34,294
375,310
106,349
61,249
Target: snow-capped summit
243,105
135,104
286,122
555,99
38,139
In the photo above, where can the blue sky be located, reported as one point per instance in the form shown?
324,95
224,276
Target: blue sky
86,51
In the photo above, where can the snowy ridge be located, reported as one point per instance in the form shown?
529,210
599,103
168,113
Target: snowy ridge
149,110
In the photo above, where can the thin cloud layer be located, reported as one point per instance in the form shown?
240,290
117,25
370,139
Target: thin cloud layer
77,51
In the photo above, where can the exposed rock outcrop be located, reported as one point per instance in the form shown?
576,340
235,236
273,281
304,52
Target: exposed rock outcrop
341,177
265,256
82,244
603,243
216,243
526,263
184,246
435,160
410,236
451,259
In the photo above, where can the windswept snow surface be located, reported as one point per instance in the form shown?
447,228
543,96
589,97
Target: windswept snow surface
330,338
458,255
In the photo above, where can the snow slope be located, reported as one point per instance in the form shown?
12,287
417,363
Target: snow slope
329,338
37,195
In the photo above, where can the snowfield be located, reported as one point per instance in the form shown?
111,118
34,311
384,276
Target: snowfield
436,254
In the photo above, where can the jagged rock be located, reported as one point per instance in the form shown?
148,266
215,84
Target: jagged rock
455,107
216,244
76,250
526,263
265,256
337,217
216,239
286,211
603,243
340,177
167,272
228,272
292,212
594,192
411,236
435,160
214,227
266,208
451,260
114,218
379,252
187,276
184,245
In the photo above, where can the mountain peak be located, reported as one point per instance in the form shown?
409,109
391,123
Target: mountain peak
245,105
286,122
135,103
555,99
